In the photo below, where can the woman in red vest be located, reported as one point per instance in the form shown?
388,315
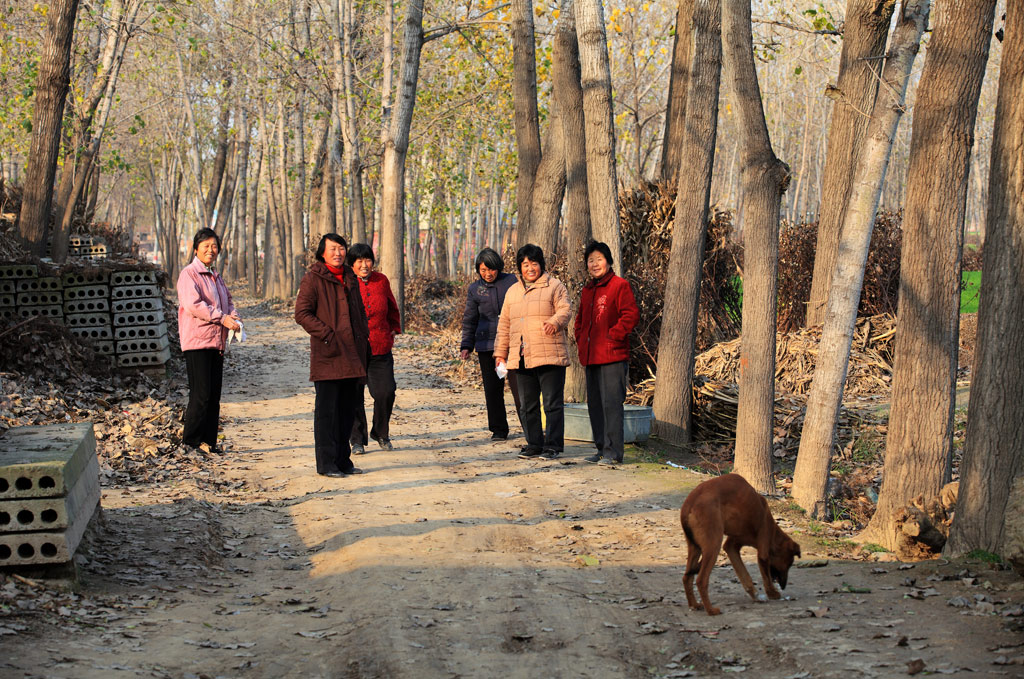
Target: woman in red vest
385,322
606,316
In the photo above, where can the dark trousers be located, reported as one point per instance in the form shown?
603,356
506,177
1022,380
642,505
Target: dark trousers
380,379
205,369
494,393
547,381
606,393
333,413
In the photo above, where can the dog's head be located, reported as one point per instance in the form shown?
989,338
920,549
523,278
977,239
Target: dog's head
784,551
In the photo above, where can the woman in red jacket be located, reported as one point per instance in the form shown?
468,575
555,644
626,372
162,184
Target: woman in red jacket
606,316
385,322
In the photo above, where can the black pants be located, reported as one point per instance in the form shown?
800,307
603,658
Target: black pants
494,393
333,414
380,379
205,369
606,392
547,381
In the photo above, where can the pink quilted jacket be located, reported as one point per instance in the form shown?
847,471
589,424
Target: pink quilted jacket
521,323
203,300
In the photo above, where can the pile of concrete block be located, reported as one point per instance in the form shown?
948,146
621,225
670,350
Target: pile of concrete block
120,312
140,329
89,248
26,294
49,491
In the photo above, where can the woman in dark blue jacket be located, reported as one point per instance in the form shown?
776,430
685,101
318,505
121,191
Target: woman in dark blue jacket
479,326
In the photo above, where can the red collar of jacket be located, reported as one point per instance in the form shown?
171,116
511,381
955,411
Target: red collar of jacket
603,280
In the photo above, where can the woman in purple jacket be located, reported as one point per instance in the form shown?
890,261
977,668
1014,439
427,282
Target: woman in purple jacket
205,314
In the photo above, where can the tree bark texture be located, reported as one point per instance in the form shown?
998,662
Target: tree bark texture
549,188
823,402
764,180
993,459
47,116
353,159
678,84
673,392
602,183
867,27
220,158
524,103
393,172
919,445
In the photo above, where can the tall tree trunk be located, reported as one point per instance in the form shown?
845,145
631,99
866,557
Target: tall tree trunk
393,172
602,183
524,102
549,189
353,160
765,178
220,158
673,392
284,226
823,402
47,115
919,445
252,214
678,84
228,184
867,26
992,472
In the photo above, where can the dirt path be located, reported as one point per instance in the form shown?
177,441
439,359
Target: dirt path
451,557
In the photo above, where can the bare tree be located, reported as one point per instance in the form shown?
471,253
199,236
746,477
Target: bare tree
602,183
673,393
764,179
51,91
823,402
393,172
678,84
524,101
919,445
866,29
992,472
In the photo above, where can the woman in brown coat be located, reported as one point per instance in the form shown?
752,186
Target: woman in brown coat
330,308
531,340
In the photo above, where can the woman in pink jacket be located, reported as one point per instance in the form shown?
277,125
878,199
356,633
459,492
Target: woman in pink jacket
205,314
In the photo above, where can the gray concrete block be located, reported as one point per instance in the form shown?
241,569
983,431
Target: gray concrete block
54,311
139,318
144,359
122,306
26,549
133,278
87,292
47,283
89,276
44,461
7,313
39,298
78,241
85,320
94,332
6,300
103,347
141,331
19,271
52,513
7,287
139,345
134,292
86,306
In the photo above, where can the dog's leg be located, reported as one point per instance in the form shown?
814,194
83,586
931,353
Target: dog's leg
693,558
769,586
712,544
732,548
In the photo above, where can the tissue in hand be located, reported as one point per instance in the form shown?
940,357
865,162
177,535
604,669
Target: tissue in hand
501,371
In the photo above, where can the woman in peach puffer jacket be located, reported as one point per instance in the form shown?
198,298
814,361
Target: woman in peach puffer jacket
532,341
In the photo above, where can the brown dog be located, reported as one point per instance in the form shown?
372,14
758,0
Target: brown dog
729,506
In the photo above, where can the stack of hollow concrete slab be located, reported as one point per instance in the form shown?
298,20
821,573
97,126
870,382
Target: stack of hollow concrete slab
140,329
87,307
25,294
49,491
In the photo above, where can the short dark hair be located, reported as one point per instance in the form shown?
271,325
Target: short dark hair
334,238
598,246
360,251
489,258
531,252
204,235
